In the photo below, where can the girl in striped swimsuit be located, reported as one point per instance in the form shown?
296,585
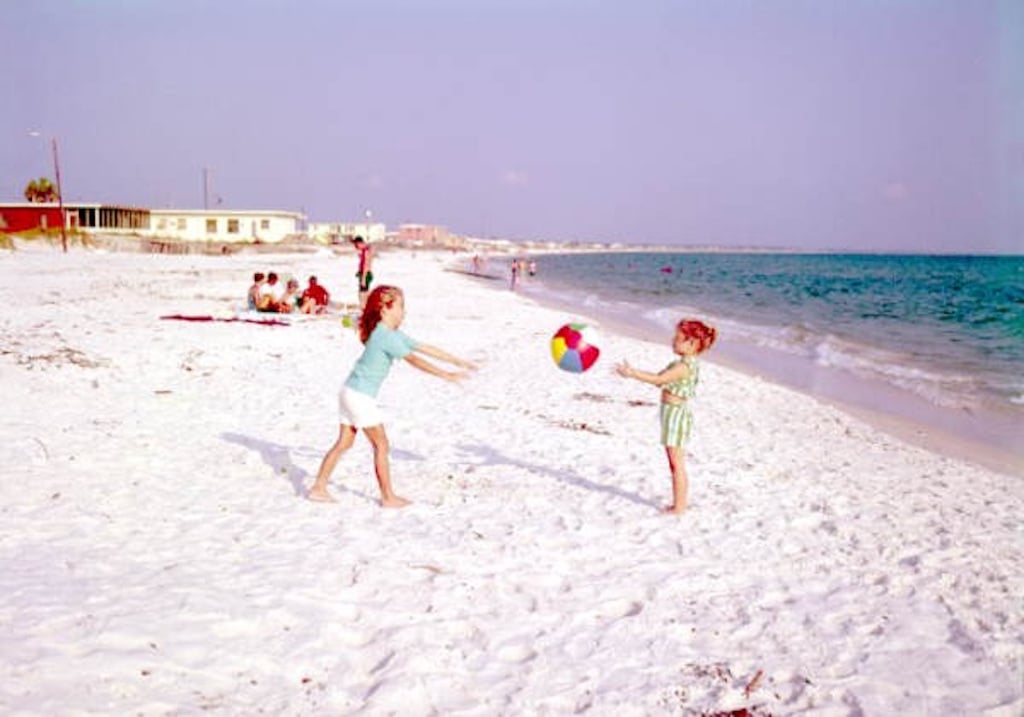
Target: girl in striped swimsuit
678,383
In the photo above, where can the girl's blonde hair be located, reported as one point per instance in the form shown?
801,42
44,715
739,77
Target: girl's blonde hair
703,334
379,298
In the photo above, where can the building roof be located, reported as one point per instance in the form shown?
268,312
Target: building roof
226,212
69,206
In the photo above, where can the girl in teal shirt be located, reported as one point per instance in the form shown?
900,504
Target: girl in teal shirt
357,402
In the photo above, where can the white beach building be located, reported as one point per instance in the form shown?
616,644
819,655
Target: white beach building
335,232
221,225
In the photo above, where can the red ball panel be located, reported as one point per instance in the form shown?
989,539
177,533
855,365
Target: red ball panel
588,355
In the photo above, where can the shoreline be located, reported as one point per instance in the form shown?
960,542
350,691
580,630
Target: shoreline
918,431
901,415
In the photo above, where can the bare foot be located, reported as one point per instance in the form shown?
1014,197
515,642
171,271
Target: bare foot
395,501
673,509
320,496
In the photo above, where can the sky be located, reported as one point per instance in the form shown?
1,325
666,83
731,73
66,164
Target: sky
879,125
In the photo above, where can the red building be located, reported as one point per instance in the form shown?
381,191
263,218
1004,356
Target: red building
424,234
28,216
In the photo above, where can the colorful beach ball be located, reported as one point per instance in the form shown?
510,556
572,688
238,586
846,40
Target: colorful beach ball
574,348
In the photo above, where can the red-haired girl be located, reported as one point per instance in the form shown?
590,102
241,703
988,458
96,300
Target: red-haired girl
378,330
678,383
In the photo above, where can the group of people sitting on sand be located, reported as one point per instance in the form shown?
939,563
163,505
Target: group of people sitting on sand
269,295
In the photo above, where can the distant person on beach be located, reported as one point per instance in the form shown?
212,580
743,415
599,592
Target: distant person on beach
289,300
270,294
357,403
365,272
515,274
315,298
532,267
678,383
253,297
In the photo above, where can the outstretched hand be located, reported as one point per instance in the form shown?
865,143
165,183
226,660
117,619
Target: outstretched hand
624,369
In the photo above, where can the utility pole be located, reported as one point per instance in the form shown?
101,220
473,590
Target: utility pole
60,200
60,192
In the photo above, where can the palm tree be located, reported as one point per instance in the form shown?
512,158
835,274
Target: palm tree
41,190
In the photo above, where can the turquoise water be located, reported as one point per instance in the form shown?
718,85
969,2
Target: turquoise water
948,330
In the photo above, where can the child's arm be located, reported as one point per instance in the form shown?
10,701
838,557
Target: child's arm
669,375
426,366
442,355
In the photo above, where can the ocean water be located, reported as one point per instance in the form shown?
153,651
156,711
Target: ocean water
946,331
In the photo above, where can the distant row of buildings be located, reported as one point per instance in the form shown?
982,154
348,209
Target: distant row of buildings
206,225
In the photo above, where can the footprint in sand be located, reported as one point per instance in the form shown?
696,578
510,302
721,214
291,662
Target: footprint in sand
518,652
21,451
615,609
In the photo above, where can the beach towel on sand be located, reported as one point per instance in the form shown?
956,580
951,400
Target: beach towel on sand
270,320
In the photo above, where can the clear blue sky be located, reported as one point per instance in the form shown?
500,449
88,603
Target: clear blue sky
832,124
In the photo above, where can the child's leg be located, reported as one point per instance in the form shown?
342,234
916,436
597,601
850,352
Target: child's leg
346,436
382,464
677,464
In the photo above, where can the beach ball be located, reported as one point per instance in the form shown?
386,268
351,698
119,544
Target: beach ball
574,348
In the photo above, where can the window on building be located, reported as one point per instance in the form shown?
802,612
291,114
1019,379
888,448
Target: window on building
211,226
232,226
264,224
181,224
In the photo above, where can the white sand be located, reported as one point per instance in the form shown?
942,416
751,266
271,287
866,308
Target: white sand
157,555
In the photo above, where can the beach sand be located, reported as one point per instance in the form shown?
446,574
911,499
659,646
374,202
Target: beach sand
159,557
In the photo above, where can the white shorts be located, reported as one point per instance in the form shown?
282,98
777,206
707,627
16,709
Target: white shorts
358,410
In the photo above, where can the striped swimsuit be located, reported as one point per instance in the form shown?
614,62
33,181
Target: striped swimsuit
676,418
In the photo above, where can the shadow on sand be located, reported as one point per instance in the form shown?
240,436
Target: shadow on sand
275,455
493,457
279,458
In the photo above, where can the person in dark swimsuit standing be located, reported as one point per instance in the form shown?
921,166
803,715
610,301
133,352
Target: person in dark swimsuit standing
365,273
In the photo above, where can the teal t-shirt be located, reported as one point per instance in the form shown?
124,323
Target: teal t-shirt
381,349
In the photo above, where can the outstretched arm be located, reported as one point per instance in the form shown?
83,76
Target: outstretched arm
423,365
655,379
442,355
